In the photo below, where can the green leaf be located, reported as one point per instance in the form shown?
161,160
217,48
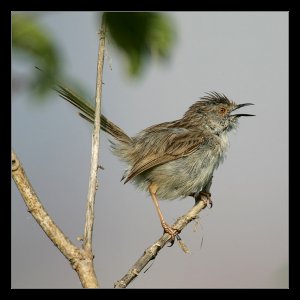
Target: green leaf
140,36
32,40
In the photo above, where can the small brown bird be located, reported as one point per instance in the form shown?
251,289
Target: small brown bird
172,159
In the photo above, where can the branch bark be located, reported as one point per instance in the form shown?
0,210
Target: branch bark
80,260
88,229
151,252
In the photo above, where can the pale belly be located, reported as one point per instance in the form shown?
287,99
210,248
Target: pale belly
182,177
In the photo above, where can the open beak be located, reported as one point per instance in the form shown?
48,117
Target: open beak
242,115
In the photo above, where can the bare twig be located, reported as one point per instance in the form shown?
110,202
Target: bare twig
89,221
151,252
81,261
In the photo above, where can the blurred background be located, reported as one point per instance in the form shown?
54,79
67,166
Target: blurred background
242,242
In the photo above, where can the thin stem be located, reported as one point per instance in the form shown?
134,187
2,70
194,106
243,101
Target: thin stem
89,221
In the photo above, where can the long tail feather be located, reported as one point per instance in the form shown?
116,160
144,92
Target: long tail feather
87,111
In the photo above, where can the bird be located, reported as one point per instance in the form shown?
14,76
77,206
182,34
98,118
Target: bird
174,159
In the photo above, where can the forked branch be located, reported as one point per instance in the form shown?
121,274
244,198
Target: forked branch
81,259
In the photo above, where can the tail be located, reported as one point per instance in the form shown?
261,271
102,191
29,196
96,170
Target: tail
87,111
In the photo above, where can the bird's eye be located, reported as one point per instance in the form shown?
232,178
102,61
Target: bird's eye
222,110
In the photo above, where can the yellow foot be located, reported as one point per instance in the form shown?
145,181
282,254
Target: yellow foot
207,198
171,231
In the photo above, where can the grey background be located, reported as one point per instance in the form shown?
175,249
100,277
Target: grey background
245,235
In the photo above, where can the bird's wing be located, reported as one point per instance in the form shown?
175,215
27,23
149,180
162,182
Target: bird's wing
171,147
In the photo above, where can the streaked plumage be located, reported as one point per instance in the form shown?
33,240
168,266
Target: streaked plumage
177,158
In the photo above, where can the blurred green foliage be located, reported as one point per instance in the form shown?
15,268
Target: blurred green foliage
140,35
31,39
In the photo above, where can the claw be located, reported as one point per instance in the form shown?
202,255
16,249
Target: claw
171,243
210,203
173,240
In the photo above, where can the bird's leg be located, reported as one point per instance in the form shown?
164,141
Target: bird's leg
167,228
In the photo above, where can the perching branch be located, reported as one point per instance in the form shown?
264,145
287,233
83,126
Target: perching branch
151,252
80,260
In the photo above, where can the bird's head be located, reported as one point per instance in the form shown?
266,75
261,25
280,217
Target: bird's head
214,111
